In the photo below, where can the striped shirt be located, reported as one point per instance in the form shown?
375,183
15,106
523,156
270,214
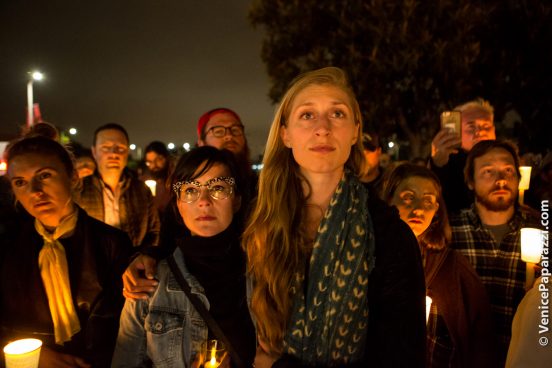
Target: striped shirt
499,265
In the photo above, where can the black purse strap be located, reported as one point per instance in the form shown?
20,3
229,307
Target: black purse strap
202,310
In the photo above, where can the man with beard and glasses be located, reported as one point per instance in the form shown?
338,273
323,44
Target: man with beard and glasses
222,128
159,163
488,233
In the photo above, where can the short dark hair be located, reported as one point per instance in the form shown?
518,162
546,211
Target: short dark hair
438,233
482,148
189,162
113,126
42,146
157,147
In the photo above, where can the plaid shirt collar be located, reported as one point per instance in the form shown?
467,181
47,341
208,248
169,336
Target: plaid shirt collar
515,222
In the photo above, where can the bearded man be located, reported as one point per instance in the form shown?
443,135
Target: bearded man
488,233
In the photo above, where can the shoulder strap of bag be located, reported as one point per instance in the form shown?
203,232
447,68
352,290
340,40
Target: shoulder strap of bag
202,310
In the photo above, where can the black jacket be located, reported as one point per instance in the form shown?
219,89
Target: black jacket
456,193
97,255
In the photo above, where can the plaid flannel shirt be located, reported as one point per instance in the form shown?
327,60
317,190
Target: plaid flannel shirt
138,214
498,265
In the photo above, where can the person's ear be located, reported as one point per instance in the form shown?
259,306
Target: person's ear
284,135
200,143
357,132
75,180
471,185
93,148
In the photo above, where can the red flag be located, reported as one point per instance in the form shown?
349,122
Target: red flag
37,114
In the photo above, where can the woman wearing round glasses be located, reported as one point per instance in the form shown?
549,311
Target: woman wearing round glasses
165,329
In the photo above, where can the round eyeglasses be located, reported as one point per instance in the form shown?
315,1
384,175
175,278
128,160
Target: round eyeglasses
218,188
220,131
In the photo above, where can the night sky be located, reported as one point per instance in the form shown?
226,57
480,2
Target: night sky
152,66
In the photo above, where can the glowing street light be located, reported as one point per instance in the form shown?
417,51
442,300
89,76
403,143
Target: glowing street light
391,144
186,146
34,76
132,147
170,146
73,131
37,76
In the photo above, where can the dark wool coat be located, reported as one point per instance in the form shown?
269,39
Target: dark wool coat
97,255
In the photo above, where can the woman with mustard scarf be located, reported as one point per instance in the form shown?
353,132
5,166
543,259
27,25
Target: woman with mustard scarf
60,269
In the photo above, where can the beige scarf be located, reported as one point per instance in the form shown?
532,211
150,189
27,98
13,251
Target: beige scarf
55,277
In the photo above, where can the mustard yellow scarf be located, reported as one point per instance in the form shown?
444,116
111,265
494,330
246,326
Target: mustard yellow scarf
55,277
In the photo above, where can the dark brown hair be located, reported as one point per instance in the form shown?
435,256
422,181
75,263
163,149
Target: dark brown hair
438,233
113,126
482,148
42,146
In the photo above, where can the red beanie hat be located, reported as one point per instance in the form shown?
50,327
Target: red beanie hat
203,119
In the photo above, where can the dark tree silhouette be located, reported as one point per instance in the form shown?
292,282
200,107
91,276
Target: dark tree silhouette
409,60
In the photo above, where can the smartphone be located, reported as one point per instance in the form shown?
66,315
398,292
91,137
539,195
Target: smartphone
452,121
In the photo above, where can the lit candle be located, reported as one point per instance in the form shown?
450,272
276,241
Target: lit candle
428,307
152,184
531,251
213,362
524,181
23,353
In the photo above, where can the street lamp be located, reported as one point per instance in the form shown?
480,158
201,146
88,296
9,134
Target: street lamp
34,76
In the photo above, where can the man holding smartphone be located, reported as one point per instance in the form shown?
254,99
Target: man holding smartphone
449,150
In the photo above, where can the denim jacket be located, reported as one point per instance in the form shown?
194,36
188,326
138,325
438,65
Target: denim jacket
165,330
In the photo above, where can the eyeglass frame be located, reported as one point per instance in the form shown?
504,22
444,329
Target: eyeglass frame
226,130
177,187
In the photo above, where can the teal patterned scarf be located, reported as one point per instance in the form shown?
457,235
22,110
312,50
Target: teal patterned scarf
330,313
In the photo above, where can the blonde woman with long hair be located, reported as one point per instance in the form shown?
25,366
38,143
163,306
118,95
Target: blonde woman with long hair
337,276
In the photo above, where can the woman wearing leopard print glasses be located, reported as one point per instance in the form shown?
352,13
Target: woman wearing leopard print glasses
165,328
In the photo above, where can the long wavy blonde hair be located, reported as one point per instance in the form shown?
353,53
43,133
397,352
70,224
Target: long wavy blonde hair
274,240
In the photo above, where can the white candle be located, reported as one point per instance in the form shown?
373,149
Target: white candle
428,307
152,184
24,353
531,251
531,245
525,177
